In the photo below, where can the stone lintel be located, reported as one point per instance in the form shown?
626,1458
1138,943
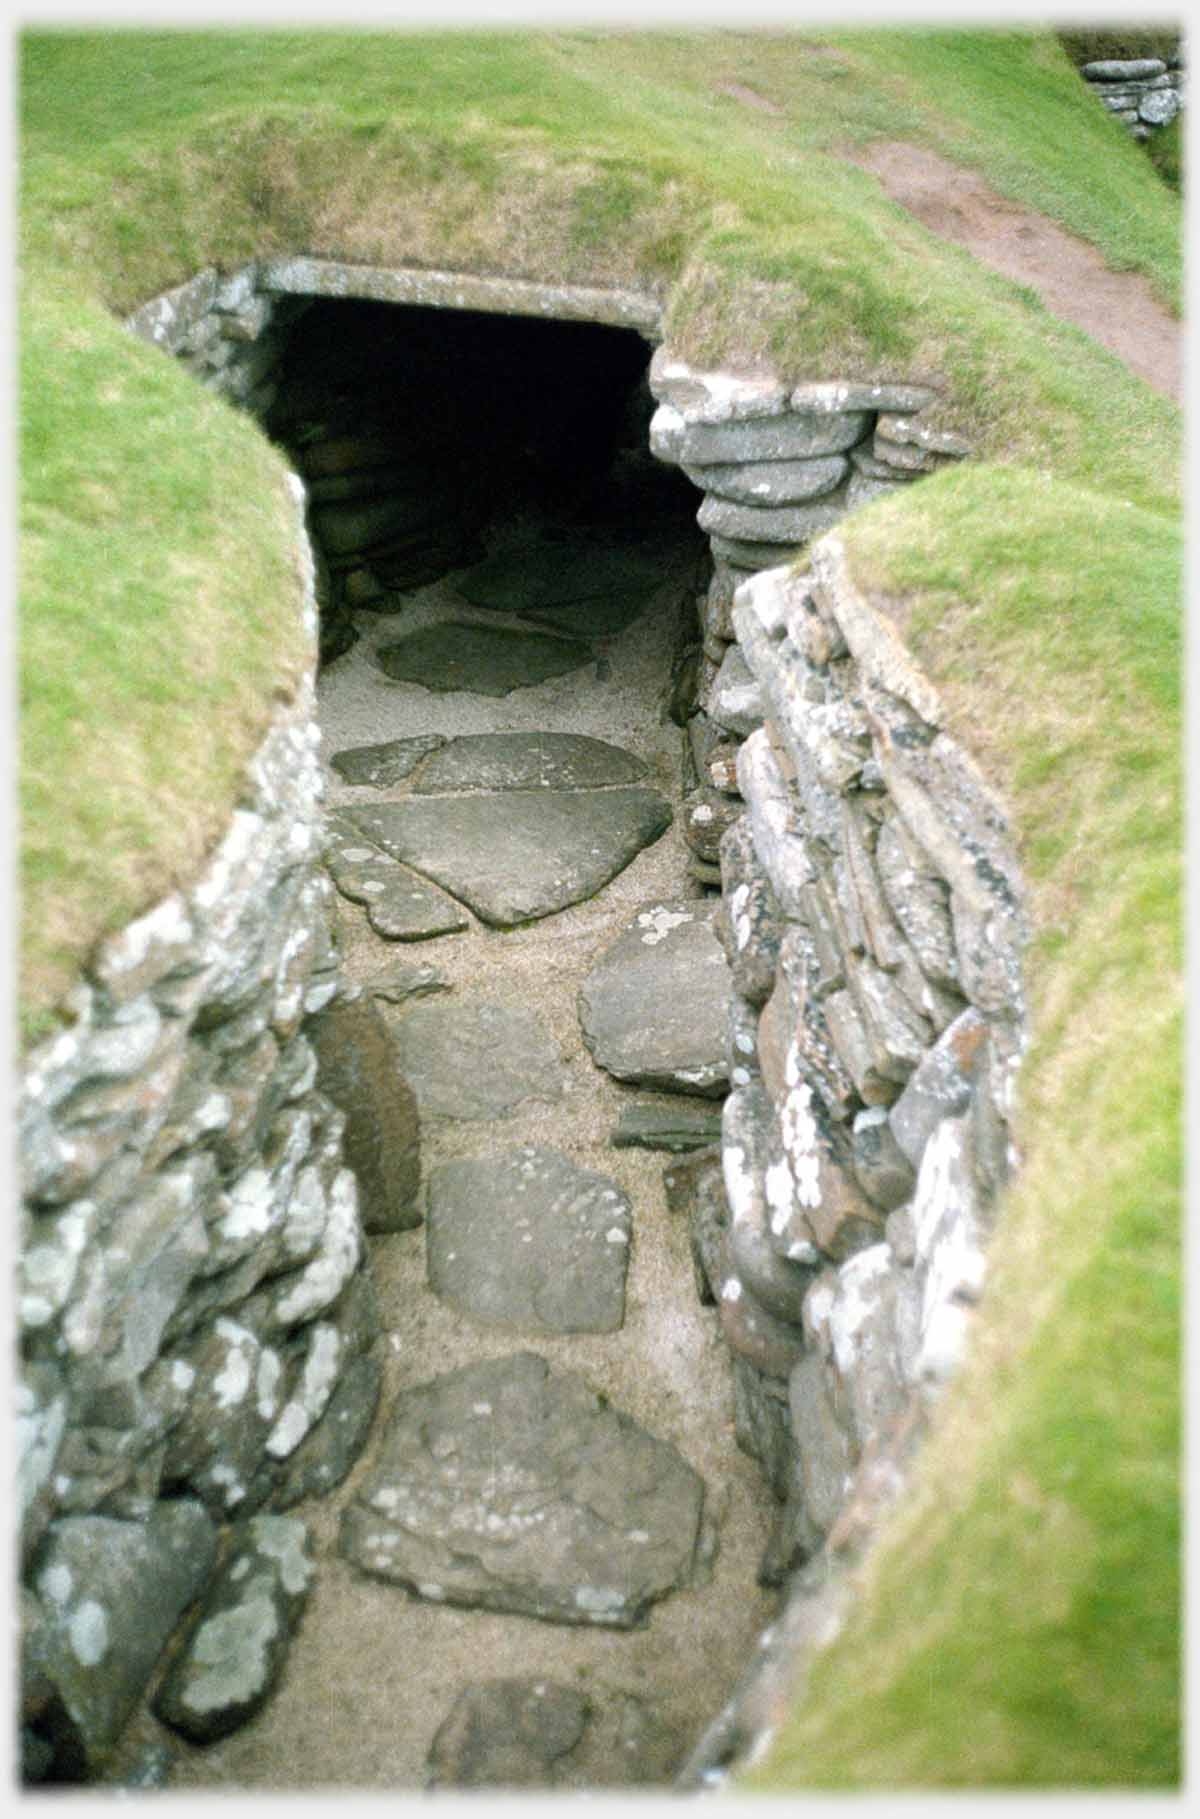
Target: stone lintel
462,291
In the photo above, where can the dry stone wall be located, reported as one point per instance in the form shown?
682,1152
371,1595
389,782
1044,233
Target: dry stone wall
873,920
1145,93
197,1331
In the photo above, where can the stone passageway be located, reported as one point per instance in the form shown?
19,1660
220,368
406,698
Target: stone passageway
551,1492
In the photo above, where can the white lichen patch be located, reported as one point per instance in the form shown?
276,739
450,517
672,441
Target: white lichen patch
731,1289
322,1280
599,1600
57,1583
183,1376
859,1282
249,1207
740,1186
282,1539
615,1235
88,1633
659,921
231,1655
801,1140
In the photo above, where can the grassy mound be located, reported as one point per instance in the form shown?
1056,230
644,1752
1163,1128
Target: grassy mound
1019,1625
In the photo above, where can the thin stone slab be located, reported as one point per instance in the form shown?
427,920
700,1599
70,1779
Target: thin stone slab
475,1059
654,1009
676,1129
517,761
381,766
405,979
537,1733
513,856
530,1239
479,659
504,1486
552,575
400,906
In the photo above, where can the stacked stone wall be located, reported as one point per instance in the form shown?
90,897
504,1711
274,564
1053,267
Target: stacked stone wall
1145,93
192,1291
873,921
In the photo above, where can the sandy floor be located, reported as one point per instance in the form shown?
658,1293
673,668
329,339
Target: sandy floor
374,1671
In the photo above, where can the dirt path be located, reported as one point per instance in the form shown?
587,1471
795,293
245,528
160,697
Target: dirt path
374,1671
1118,309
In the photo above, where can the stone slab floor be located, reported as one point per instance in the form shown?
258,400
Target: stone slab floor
374,1671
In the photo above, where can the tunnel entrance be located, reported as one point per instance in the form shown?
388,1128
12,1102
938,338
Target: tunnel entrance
430,439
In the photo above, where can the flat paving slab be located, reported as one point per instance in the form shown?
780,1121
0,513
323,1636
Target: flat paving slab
475,1058
479,659
529,1238
506,1486
400,905
514,856
513,761
537,1733
655,1008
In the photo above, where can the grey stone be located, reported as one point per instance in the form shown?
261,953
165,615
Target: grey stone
949,1262
41,1421
717,396
677,1128
528,761
881,1168
383,765
736,700
347,525
405,979
1158,109
837,395
941,1087
112,1593
529,1239
529,1733
753,924
825,1451
787,524
776,824
919,899
707,813
1113,69
382,1139
327,1452
507,1487
233,1657
794,1039
654,1008
796,436
761,1425
695,1191
877,1033
476,1059
770,482
235,1386
546,578
742,556
778,1283
751,1332
513,856
400,906
856,1333
479,659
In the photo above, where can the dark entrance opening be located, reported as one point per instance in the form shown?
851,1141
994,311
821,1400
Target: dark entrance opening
424,434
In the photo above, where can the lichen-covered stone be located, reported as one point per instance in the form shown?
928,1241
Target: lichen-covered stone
654,1008
509,1487
232,1659
941,1086
112,1593
752,926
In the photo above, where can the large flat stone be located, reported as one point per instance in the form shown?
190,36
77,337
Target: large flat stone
515,855
507,1487
654,1008
400,906
546,576
479,659
475,1060
535,1733
380,766
356,1068
517,761
528,1238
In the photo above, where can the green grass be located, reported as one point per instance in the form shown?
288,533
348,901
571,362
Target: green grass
1019,1624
